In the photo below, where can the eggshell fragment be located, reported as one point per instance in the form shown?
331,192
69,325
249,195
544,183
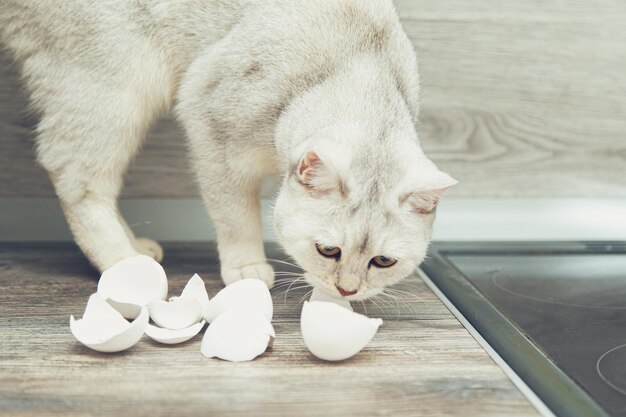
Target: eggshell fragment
237,336
128,310
176,314
181,312
172,337
133,282
247,294
195,289
103,328
334,333
319,295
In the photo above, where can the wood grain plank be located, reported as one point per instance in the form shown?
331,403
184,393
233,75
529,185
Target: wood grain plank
524,99
422,362
519,99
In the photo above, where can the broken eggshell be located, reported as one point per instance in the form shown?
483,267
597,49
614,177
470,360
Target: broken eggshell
334,333
132,283
195,289
177,314
247,294
237,336
103,328
320,295
172,337
181,312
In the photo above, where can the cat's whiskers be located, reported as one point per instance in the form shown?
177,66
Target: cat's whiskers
293,283
384,301
399,300
404,293
389,303
304,297
288,275
364,306
297,283
401,284
284,262
373,300
286,282
392,297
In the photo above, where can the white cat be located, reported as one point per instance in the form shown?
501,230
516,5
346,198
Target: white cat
323,92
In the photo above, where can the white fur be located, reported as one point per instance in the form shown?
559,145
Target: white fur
256,84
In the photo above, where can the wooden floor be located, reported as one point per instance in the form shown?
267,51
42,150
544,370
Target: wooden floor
421,363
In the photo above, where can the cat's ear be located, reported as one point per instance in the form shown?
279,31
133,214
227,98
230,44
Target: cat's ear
425,198
315,173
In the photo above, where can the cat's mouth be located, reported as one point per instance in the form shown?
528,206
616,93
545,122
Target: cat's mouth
344,292
334,290
329,288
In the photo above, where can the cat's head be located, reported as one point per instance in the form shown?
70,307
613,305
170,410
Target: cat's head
358,217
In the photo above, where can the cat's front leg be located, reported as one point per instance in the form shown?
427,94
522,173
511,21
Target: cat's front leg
230,186
228,161
237,221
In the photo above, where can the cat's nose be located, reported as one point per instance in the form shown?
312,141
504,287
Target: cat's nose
345,293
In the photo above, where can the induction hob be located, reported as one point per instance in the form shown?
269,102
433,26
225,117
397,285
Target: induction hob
555,312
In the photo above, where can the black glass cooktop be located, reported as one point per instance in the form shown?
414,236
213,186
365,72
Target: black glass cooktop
556,313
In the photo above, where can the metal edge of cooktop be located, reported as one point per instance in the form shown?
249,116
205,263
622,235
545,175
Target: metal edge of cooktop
554,389
534,400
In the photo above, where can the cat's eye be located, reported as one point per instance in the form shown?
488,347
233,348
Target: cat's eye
328,251
382,261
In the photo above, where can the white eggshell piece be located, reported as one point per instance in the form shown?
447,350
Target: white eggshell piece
334,333
133,282
195,289
247,294
320,295
176,314
237,336
172,337
127,310
103,328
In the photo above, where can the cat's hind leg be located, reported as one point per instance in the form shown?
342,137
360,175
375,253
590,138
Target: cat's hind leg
97,84
143,245
86,146
86,165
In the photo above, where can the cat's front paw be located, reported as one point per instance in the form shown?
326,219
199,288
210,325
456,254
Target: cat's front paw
149,247
262,271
